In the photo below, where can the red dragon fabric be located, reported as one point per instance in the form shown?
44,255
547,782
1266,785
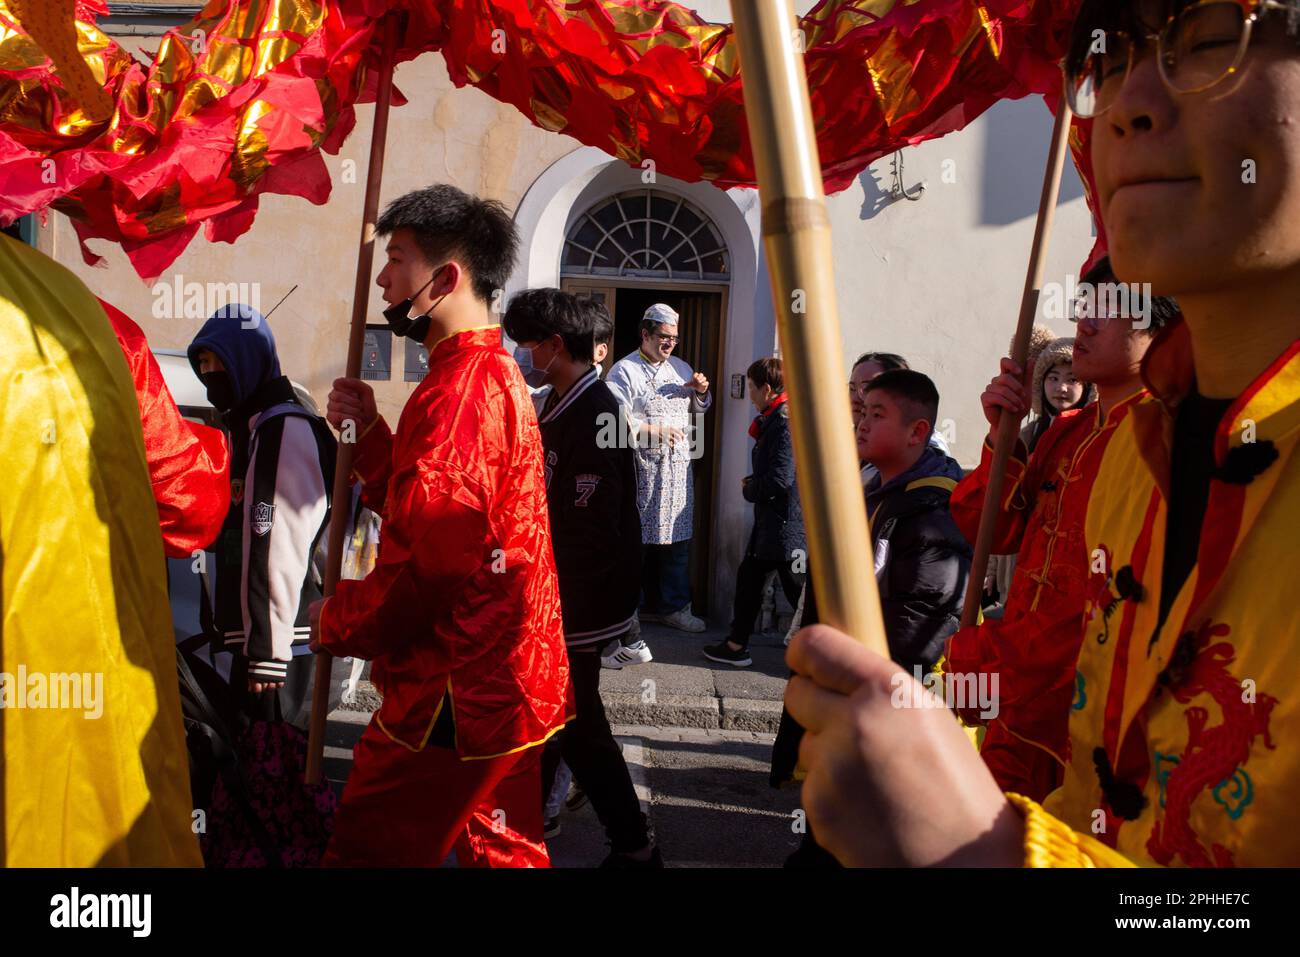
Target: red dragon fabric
189,463
243,100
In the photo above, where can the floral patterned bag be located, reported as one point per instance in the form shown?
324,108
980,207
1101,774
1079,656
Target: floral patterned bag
262,812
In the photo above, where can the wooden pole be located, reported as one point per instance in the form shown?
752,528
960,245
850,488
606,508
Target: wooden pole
797,239
1009,425
342,495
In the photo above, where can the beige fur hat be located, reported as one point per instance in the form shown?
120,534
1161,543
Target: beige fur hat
1039,338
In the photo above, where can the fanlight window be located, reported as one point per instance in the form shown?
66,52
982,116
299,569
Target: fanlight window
646,235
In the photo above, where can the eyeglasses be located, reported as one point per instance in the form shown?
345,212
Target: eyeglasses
1100,304
666,339
1196,49
1097,322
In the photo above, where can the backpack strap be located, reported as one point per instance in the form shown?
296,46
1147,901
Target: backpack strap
882,540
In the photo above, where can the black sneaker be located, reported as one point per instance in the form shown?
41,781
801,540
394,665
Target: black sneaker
623,862
551,828
724,654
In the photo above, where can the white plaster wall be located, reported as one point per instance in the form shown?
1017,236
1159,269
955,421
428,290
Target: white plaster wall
939,280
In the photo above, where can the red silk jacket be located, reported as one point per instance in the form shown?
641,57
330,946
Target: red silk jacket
189,464
463,604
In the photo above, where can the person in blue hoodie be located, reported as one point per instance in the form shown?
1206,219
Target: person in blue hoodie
282,470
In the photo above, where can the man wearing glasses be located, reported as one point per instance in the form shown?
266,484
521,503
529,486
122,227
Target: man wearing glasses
660,395
1184,711
1033,646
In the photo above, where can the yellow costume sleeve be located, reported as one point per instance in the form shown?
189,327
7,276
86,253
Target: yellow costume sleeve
1050,843
93,769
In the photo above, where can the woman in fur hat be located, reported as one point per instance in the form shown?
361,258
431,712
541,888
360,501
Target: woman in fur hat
1056,389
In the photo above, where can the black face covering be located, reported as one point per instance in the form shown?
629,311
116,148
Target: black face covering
401,321
221,392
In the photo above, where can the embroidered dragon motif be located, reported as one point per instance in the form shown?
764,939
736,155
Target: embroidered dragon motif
1213,757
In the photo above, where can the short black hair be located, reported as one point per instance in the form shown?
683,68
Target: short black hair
446,221
912,390
888,361
1164,309
602,326
1100,272
767,372
537,314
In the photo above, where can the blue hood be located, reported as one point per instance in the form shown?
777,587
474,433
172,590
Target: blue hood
247,353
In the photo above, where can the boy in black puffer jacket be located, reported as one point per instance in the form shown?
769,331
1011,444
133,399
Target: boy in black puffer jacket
921,559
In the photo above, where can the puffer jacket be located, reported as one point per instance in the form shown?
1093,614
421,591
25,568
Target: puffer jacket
921,559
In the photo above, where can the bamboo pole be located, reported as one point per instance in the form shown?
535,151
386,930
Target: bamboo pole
797,239
342,494
1009,425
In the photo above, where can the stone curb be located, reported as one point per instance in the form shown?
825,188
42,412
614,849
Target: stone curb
632,708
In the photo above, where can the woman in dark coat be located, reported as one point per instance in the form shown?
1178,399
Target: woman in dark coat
774,544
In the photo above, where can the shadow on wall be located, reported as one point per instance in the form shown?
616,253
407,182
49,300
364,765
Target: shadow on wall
1016,138
876,193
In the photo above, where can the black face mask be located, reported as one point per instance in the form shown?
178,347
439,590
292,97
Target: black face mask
221,392
401,321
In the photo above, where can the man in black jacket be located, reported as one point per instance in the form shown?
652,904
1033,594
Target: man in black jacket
596,535
770,486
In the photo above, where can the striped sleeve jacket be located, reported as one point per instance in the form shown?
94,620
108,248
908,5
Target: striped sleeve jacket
285,513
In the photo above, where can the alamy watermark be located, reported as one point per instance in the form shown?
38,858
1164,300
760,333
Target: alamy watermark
621,432
968,691
1110,300
129,911
179,299
75,691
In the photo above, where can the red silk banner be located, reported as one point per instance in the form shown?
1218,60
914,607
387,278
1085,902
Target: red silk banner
243,100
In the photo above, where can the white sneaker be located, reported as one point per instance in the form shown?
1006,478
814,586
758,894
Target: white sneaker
637,653
683,620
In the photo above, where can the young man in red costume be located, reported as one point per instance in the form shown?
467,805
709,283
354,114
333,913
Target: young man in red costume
461,614
1032,648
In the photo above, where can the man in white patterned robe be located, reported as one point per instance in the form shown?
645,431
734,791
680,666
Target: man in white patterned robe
664,401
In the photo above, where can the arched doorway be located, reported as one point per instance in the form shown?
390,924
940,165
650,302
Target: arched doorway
642,246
